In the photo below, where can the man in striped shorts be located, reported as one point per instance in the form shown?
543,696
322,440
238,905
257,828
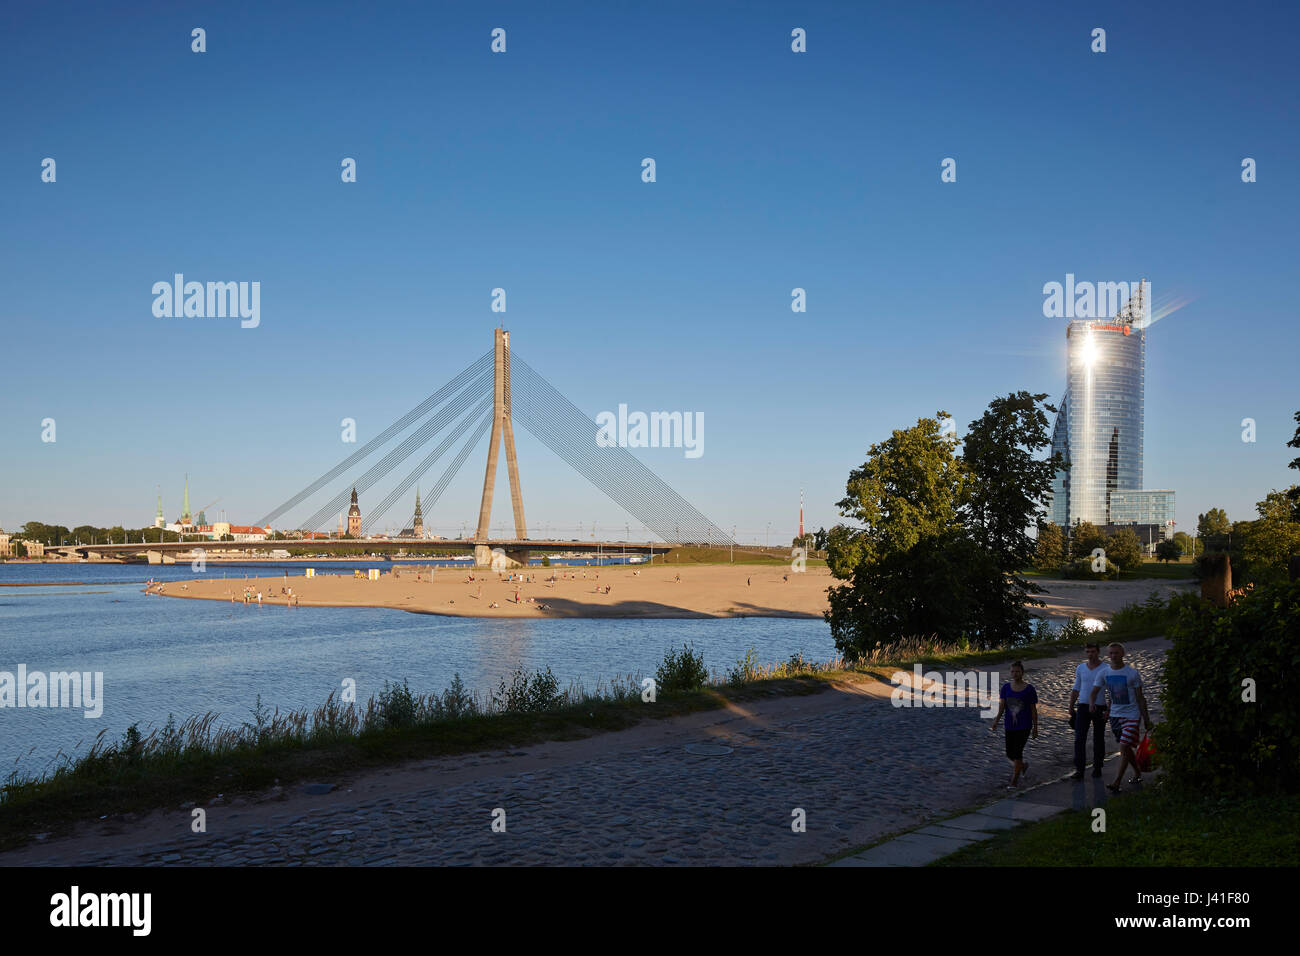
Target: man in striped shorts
1123,686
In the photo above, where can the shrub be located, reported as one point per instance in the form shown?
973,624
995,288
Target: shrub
681,671
395,707
1151,618
456,701
1082,568
1211,737
528,694
1074,629
746,668
1125,550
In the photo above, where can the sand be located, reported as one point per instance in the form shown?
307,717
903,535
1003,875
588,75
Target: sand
703,591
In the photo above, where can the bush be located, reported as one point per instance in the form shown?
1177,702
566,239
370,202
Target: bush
396,706
746,668
456,701
1074,629
546,560
1151,618
528,695
1125,550
1082,569
1212,738
681,671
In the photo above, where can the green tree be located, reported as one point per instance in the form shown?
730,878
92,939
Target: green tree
906,500
1006,494
1213,528
1124,549
1274,538
1167,551
1293,495
1009,486
1084,538
1049,554
941,538
909,488
1186,543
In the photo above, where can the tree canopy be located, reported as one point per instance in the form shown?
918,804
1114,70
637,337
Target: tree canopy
939,537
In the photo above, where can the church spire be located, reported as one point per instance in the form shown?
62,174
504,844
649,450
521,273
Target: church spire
418,513
185,508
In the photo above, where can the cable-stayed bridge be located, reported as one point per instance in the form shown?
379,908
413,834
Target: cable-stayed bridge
487,397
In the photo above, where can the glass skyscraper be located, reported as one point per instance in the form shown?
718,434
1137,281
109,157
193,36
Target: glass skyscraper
1099,425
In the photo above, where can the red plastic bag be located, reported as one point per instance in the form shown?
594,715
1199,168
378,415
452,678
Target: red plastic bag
1146,753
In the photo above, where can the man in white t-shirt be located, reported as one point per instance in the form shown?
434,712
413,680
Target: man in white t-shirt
1123,685
1085,716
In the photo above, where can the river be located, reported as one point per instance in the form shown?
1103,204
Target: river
162,656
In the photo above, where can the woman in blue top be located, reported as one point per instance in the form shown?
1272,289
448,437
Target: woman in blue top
1020,705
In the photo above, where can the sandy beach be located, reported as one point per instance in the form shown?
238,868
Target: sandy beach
702,591
660,591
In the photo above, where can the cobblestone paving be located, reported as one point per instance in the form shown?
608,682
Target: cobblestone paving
859,769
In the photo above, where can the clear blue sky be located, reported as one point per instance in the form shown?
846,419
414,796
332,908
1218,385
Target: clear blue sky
522,171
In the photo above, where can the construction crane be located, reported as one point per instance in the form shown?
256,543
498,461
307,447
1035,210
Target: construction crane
1135,310
204,509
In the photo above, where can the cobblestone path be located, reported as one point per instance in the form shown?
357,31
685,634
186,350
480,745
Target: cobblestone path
857,766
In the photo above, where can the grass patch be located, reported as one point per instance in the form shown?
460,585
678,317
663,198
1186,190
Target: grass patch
1161,826
1174,571
772,557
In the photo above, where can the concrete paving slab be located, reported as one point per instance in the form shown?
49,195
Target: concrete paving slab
904,852
981,821
1021,810
952,833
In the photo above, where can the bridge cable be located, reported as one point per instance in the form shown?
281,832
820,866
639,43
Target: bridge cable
559,424
409,481
419,411
380,470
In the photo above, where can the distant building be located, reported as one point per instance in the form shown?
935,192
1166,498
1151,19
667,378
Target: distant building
34,548
417,524
1100,422
354,516
158,520
6,549
186,519
242,532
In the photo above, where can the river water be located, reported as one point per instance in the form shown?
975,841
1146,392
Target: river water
162,656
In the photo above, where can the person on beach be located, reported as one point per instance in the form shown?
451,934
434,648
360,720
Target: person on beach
1085,675
1123,685
1019,702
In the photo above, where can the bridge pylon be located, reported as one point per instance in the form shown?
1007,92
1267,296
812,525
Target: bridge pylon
502,432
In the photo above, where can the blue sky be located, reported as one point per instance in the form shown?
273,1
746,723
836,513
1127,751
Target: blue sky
522,170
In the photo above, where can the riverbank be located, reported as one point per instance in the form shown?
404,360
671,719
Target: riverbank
618,780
